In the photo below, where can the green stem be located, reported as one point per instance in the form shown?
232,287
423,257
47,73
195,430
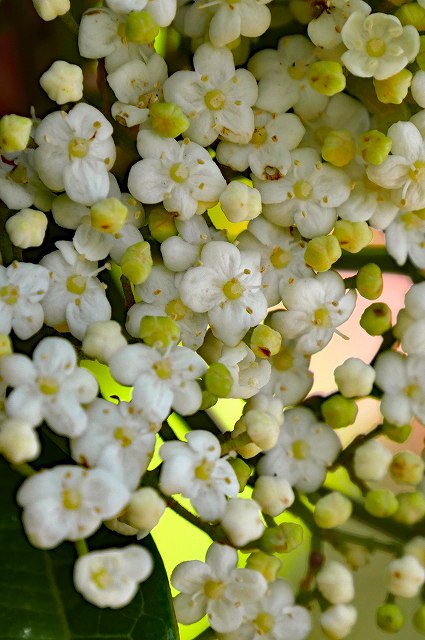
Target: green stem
213,531
81,547
233,443
379,256
24,469
70,22
206,634
338,537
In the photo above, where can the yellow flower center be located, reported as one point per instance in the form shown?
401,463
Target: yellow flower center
300,449
322,318
76,284
411,221
9,294
280,258
163,368
78,148
203,471
417,171
264,623
233,289
176,309
283,360
179,172
302,190
48,385
259,136
101,578
213,589
297,70
19,175
376,47
71,499
124,435
215,99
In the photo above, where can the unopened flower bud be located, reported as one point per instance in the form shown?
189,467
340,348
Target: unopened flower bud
339,147
393,90
108,215
354,378
63,82
242,470
416,548
266,404
322,252
218,379
376,319
419,619
208,400
242,521
338,621
240,202
167,119
396,433
411,507
371,461
407,468
27,228
374,146
18,441
369,281
274,495
352,236
262,428
381,503
140,27
326,77
161,224
284,538
265,564
145,509
6,347
103,339
355,555
14,133
413,14
51,9
159,331
405,577
339,412
389,617
335,583
332,510
265,341
136,263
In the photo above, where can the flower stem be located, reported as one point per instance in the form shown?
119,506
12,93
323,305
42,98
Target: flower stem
81,547
70,22
24,469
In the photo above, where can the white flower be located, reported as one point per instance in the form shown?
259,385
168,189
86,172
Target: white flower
378,45
406,576
111,578
50,387
274,495
18,440
303,451
228,287
354,378
75,153
290,378
405,238
51,9
371,461
20,186
160,380
196,471
249,373
338,621
68,503
240,202
63,82
242,521
182,251
22,288
162,11
103,339
325,30
335,583
216,588
181,174
410,327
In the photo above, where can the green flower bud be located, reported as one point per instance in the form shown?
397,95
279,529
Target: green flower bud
413,14
395,433
411,507
369,281
352,236
265,341
108,215
332,510
140,27
242,470
393,90
381,503
407,468
322,252
167,119
420,58
14,133
208,400
211,349
339,147
374,146
339,412
419,619
265,564
159,331
376,319
281,539
326,77
218,380
161,224
390,618
136,263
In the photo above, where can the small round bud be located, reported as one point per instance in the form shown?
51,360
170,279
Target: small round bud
332,510
242,521
396,433
140,27
326,77
159,331
18,441
208,400
242,470
161,224
405,577
51,9
413,14
284,538
322,252
14,133
144,510
274,495
108,215
6,347
339,147
338,621
240,202
374,146
376,319
381,503
102,340
389,618
218,379
136,263
265,341
63,82
167,119
371,461
369,281
417,88
352,236
354,378
265,564
339,412
411,507
335,583
262,428
419,619
407,468
393,90
211,348
27,228
266,404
